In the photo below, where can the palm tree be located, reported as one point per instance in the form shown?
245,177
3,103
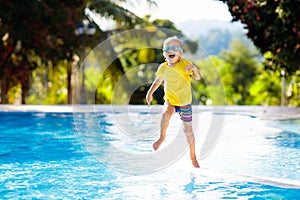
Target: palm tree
123,18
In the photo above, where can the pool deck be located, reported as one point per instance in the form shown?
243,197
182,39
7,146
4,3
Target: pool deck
262,112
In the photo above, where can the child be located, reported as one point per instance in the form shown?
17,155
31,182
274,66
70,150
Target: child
176,73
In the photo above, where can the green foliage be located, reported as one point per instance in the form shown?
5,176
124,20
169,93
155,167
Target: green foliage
228,77
266,89
46,29
293,90
210,90
32,28
49,85
246,81
243,68
273,26
268,85
146,55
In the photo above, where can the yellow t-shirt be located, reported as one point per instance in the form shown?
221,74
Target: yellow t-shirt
177,82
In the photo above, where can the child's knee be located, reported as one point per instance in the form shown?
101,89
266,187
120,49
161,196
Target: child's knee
168,112
189,133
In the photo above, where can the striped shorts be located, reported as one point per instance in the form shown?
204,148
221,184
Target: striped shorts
185,112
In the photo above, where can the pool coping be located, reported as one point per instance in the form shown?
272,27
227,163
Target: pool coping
262,112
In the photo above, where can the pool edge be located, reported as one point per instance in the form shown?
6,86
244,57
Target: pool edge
262,112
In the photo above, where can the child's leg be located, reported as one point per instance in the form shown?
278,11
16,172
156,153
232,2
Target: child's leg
164,123
188,129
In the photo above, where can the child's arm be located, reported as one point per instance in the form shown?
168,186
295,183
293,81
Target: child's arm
156,83
196,73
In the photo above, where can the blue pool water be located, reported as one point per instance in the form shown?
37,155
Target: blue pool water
57,156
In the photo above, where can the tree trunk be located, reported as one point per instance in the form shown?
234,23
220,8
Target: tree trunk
25,89
4,91
69,83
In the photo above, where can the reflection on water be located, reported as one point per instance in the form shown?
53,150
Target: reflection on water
259,148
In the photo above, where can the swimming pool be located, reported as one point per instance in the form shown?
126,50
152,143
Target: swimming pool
59,155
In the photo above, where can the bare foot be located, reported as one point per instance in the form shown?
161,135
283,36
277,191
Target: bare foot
195,163
156,145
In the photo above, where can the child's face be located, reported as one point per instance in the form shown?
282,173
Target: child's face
172,51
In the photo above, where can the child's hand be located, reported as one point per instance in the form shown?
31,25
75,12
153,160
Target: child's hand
149,99
189,69
192,70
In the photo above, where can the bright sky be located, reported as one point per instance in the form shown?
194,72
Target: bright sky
184,10
176,11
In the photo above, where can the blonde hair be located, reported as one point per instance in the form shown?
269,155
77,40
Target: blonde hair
173,38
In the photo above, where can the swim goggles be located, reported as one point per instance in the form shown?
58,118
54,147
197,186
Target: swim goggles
167,49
